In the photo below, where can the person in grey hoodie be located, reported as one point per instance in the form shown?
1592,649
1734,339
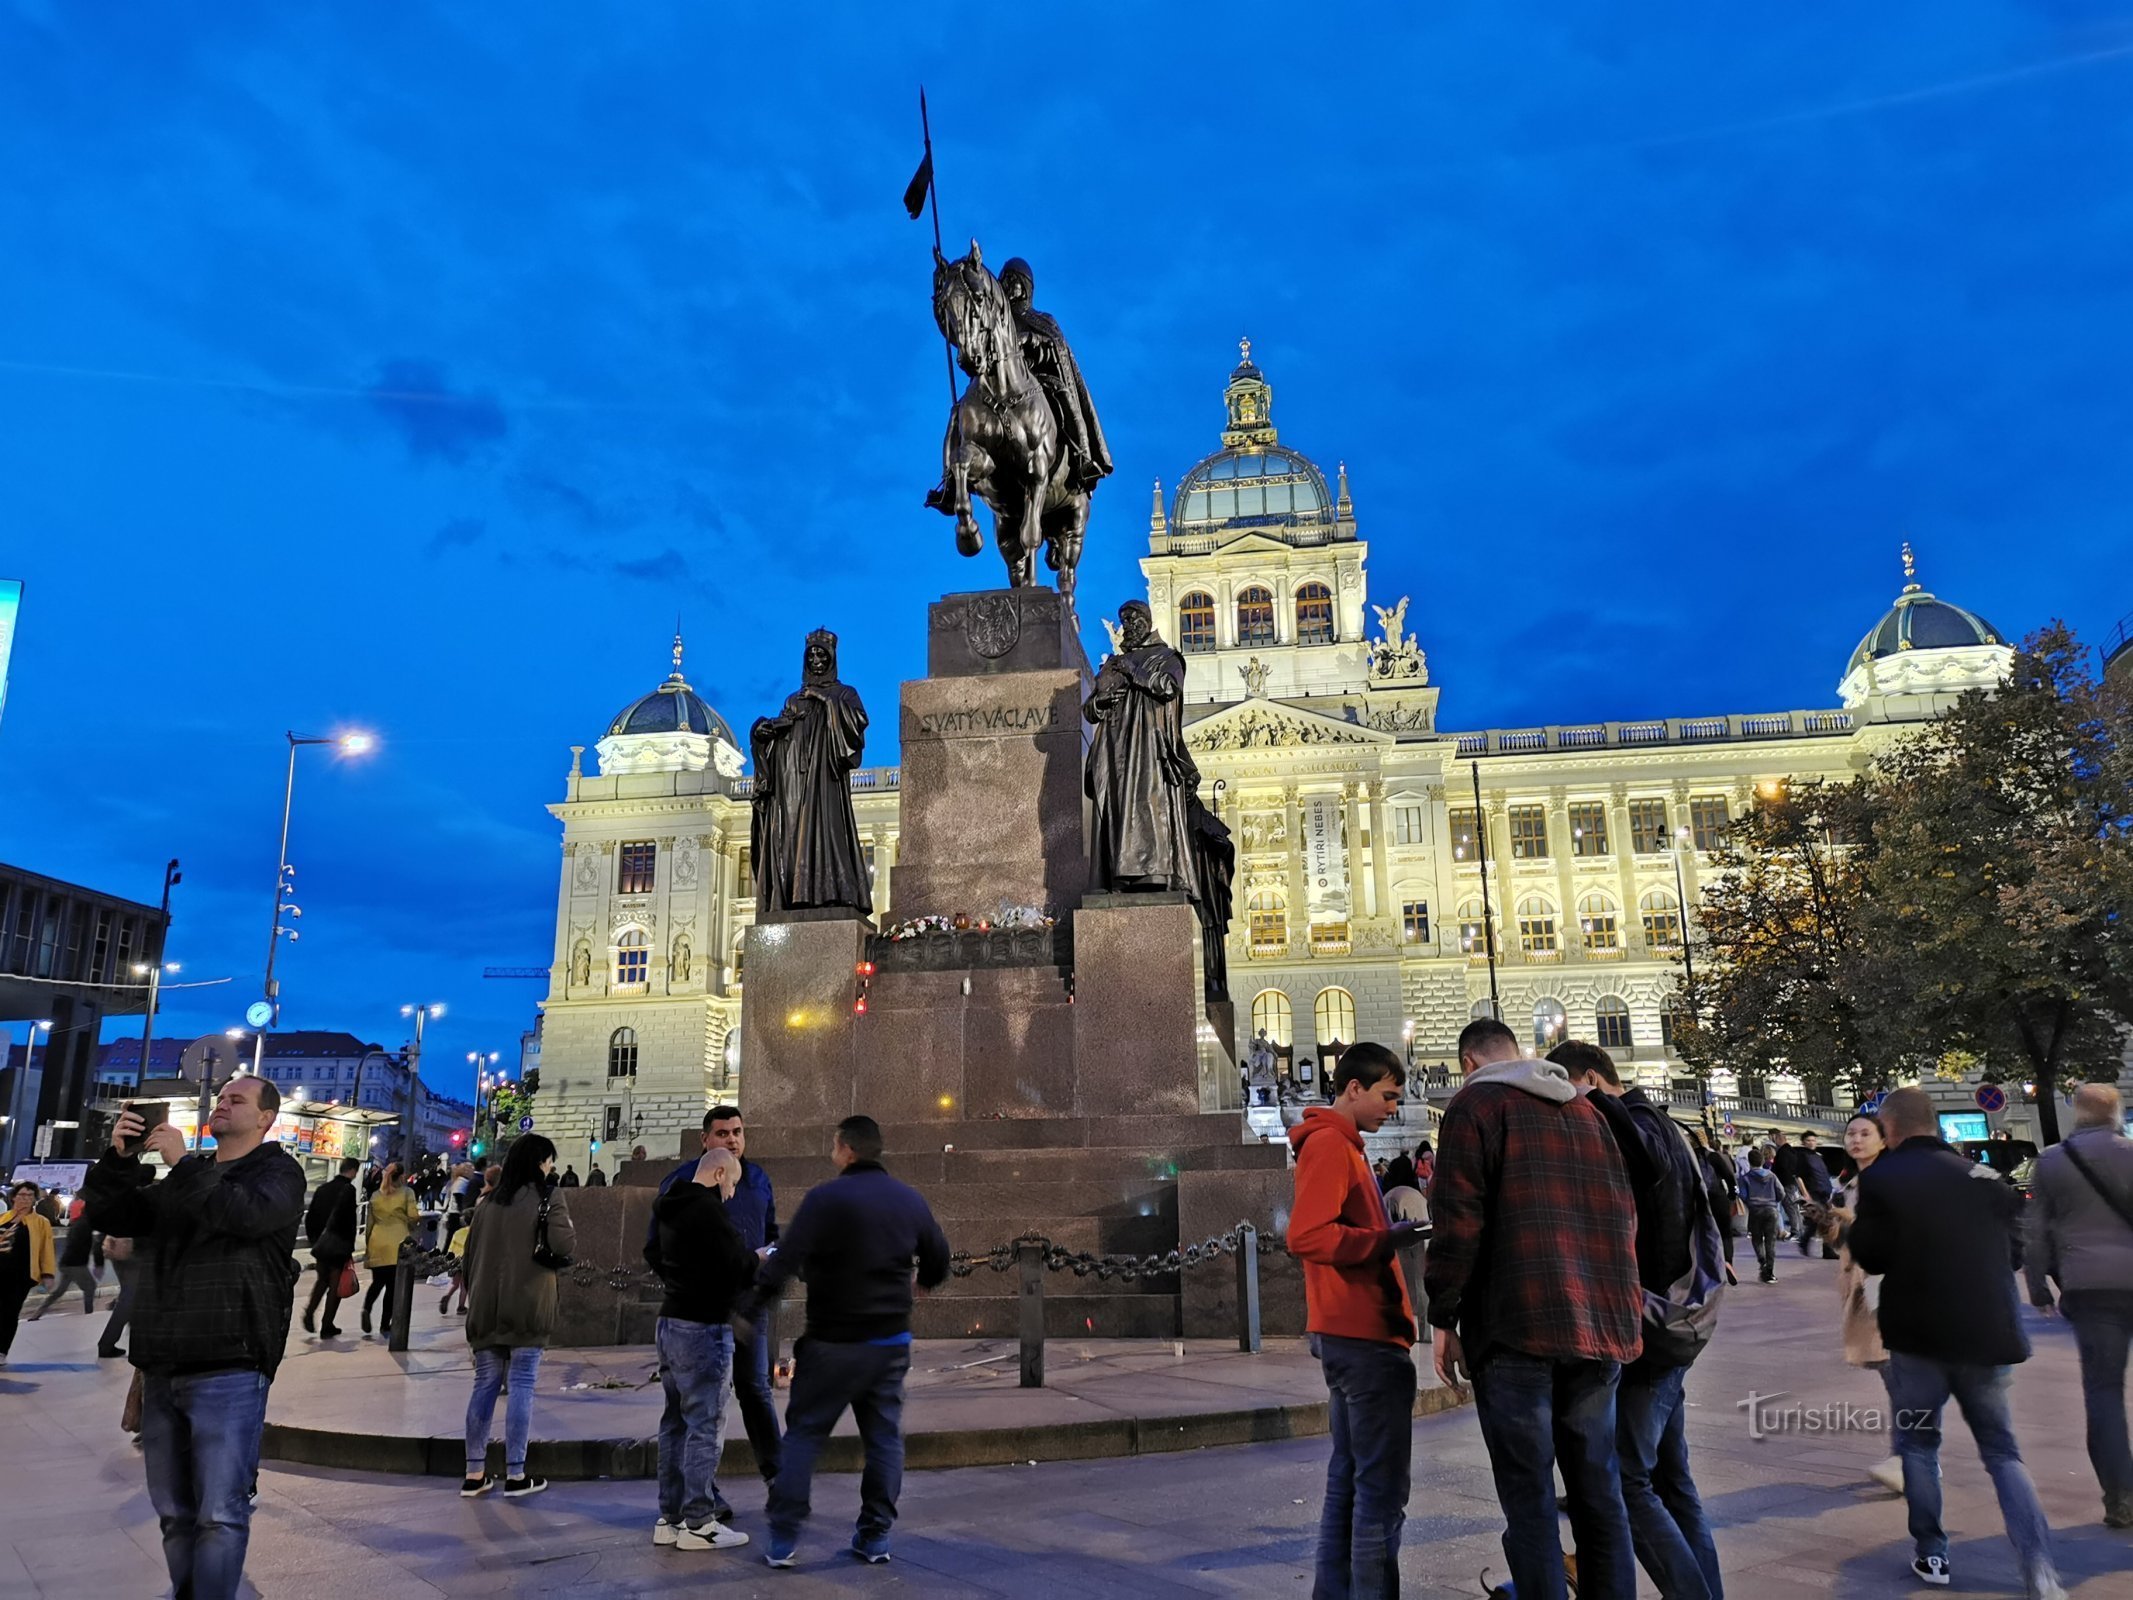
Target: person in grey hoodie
2081,1237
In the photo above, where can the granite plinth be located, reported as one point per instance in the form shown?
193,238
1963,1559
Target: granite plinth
610,1223
1135,1006
765,919
1210,1203
990,631
797,1017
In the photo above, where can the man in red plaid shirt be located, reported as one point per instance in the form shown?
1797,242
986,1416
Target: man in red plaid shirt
1533,1290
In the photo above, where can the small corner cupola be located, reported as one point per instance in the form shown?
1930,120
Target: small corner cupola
1924,645
672,729
1251,404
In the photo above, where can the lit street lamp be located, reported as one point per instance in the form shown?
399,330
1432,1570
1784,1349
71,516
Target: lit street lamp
483,1082
421,1014
349,744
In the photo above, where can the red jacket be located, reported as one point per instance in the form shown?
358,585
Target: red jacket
1339,1231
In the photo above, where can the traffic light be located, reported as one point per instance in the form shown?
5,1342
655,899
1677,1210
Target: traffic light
458,1137
596,1146
476,1152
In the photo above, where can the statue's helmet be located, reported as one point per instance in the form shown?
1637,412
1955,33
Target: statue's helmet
1018,268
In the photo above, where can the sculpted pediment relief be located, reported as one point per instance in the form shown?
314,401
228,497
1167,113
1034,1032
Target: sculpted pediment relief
1262,724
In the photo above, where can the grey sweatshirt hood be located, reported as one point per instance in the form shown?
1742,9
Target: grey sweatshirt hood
1544,1080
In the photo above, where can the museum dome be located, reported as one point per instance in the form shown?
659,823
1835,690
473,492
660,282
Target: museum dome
1253,481
1920,621
671,729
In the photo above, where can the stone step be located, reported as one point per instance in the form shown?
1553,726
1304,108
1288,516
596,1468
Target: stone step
1055,1202
1017,1133
1066,1316
935,1170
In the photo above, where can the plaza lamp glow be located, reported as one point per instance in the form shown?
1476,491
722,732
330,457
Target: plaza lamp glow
421,1014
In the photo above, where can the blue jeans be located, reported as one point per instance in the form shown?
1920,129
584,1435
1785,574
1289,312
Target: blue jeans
695,1369
1919,1388
1535,1413
1667,1526
751,1384
2103,1331
524,1362
200,1439
869,1378
1370,1412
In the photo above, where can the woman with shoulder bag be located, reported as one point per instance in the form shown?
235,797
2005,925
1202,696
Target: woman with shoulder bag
1859,1293
26,1258
393,1215
518,1239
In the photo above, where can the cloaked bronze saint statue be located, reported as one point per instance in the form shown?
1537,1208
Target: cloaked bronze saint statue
802,835
1140,775
1023,437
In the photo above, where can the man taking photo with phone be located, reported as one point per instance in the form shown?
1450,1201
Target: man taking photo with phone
215,1243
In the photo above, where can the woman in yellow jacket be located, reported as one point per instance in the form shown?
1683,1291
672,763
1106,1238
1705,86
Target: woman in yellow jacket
27,1259
393,1216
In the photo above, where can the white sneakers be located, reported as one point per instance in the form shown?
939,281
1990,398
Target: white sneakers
711,1536
664,1532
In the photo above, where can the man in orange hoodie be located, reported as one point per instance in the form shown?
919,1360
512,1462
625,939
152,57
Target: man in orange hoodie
1361,1327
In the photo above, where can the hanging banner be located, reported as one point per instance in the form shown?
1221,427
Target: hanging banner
1325,860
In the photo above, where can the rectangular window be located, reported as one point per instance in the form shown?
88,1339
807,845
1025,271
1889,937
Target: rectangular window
1647,826
1708,820
638,861
1602,937
612,1126
1466,833
1662,927
1414,921
1473,937
101,949
1536,933
1611,1030
1406,824
1588,829
1196,624
1529,833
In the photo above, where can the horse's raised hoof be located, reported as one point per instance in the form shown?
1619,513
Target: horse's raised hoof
969,537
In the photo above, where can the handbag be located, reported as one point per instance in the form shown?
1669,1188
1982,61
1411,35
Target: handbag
345,1286
543,1254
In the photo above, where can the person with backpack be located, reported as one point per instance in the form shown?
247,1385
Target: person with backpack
1764,1197
519,1238
330,1225
1680,1264
2081,1238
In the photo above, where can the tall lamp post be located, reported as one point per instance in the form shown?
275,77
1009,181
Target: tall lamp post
485,1080
421,1014
18,1098
349,744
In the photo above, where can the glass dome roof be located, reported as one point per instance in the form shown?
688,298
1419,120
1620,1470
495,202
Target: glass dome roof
1253,486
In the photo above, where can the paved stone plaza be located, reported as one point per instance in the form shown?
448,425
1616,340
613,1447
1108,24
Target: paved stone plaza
1795,1516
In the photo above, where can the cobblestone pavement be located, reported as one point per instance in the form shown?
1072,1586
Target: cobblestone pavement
1796,1516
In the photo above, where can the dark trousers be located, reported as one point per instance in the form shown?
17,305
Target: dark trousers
82,1278
1763,1229
2103,1332
827,1378
1536,1414
1667,1525
752,1387
328,1269
122,1308
381,1282
1370,1410
12,1293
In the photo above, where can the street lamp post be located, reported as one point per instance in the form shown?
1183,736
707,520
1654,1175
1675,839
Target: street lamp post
486,1080
414,1079
20,1090
350,744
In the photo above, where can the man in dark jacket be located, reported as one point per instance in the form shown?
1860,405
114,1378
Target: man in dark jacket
1817,1185
752,1208
214,1243
330,1225
852,1242
1946,1246
706,1267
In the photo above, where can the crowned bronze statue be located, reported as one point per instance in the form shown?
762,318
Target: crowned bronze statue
1139,774
803,837
1024,436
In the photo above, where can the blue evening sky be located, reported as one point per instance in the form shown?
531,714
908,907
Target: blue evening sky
412,366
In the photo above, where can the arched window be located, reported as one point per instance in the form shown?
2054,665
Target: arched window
740,949
1610,1023
633,957
1675,1019
1255,616
1334,1015
1662,919
1314,614
1597,921
1536,927
1196,623
1272,1016
622,1053
1481,1010
1268,914
1549,1025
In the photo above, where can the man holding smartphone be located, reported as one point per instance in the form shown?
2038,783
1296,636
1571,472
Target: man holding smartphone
1361,1328
215,1242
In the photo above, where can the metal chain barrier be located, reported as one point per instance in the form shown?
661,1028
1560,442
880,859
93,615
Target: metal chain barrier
1127,1269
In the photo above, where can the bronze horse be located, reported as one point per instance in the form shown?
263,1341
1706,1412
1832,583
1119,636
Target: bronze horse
1004,443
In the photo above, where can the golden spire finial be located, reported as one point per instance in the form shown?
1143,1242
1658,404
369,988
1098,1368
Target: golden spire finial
1910,564
1244,347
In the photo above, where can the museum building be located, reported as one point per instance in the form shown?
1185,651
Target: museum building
1363,829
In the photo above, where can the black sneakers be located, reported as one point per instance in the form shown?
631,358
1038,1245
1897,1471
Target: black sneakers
518,1488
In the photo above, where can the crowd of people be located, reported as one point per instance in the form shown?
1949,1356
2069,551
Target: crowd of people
1577,1262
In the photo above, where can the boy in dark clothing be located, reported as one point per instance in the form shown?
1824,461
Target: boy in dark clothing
706,1267
330,1225
853,1242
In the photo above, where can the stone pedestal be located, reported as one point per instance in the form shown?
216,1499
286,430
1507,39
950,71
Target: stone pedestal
797,1016
1135,1007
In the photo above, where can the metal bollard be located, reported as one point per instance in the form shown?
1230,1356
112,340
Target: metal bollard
1248,1289
403,1294
1030,1255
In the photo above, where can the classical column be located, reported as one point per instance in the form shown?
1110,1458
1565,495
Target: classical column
1381,846
1299,916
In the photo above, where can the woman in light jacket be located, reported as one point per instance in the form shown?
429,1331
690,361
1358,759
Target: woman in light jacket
26,1258
511,1308
393,1215
1859,1292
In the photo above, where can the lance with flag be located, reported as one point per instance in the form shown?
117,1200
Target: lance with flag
920,194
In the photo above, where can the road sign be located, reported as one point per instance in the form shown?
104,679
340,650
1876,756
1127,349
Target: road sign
259,1013
525,1124
1991,1097
1872,1102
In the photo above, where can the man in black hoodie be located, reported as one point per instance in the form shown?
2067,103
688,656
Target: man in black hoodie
213,1245
1946,1246
330,1225
853,1243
